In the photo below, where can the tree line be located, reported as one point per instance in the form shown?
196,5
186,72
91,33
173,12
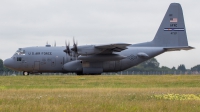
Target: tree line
153,65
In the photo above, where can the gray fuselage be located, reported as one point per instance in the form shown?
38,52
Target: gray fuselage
52,59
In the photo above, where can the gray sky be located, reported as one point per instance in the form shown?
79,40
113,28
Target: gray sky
26,23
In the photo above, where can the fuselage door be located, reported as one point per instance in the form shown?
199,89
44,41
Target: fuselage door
36,66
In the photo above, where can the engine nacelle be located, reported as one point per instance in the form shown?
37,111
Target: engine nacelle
102,57
88,50
73,66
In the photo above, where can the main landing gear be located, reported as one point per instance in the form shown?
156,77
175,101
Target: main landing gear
25,73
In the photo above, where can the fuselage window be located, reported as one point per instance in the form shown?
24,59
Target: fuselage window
19,59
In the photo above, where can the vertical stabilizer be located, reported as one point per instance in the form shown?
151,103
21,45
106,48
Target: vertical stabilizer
172,31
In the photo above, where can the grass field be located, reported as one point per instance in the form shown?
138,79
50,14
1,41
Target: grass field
117,93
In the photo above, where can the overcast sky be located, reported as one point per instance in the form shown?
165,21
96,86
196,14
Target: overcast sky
26,23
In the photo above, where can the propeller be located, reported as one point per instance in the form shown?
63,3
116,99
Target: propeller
73,51
67,50
75,48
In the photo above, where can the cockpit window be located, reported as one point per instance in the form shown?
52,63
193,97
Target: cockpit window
20,52
19,59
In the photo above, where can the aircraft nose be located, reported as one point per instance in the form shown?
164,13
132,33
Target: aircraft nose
8,63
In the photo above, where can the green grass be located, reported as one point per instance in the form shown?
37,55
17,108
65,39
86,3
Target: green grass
115,93
120,81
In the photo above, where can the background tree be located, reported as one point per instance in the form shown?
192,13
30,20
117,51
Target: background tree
1,65
181,67
173,68
149,65
196,68
152,63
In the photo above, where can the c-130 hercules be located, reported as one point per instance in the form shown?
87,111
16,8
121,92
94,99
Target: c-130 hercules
96,59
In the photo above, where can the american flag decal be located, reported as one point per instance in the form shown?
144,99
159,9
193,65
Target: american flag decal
173,20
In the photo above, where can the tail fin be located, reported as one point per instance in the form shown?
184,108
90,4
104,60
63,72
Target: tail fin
171,34
172,31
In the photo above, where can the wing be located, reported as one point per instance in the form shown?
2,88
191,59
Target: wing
102,52
109,48
101,49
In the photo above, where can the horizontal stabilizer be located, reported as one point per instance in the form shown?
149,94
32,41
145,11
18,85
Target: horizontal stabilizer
178,48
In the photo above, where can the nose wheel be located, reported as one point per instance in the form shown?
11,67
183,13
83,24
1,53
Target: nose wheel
25,73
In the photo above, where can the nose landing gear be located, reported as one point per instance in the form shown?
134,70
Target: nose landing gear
25,73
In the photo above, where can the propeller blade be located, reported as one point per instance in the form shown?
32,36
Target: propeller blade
73,40
75,48
67,50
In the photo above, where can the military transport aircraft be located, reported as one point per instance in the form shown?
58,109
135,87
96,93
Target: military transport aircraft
96,59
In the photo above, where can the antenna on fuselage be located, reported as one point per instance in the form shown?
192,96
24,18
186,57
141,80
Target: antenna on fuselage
55,44
47,44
